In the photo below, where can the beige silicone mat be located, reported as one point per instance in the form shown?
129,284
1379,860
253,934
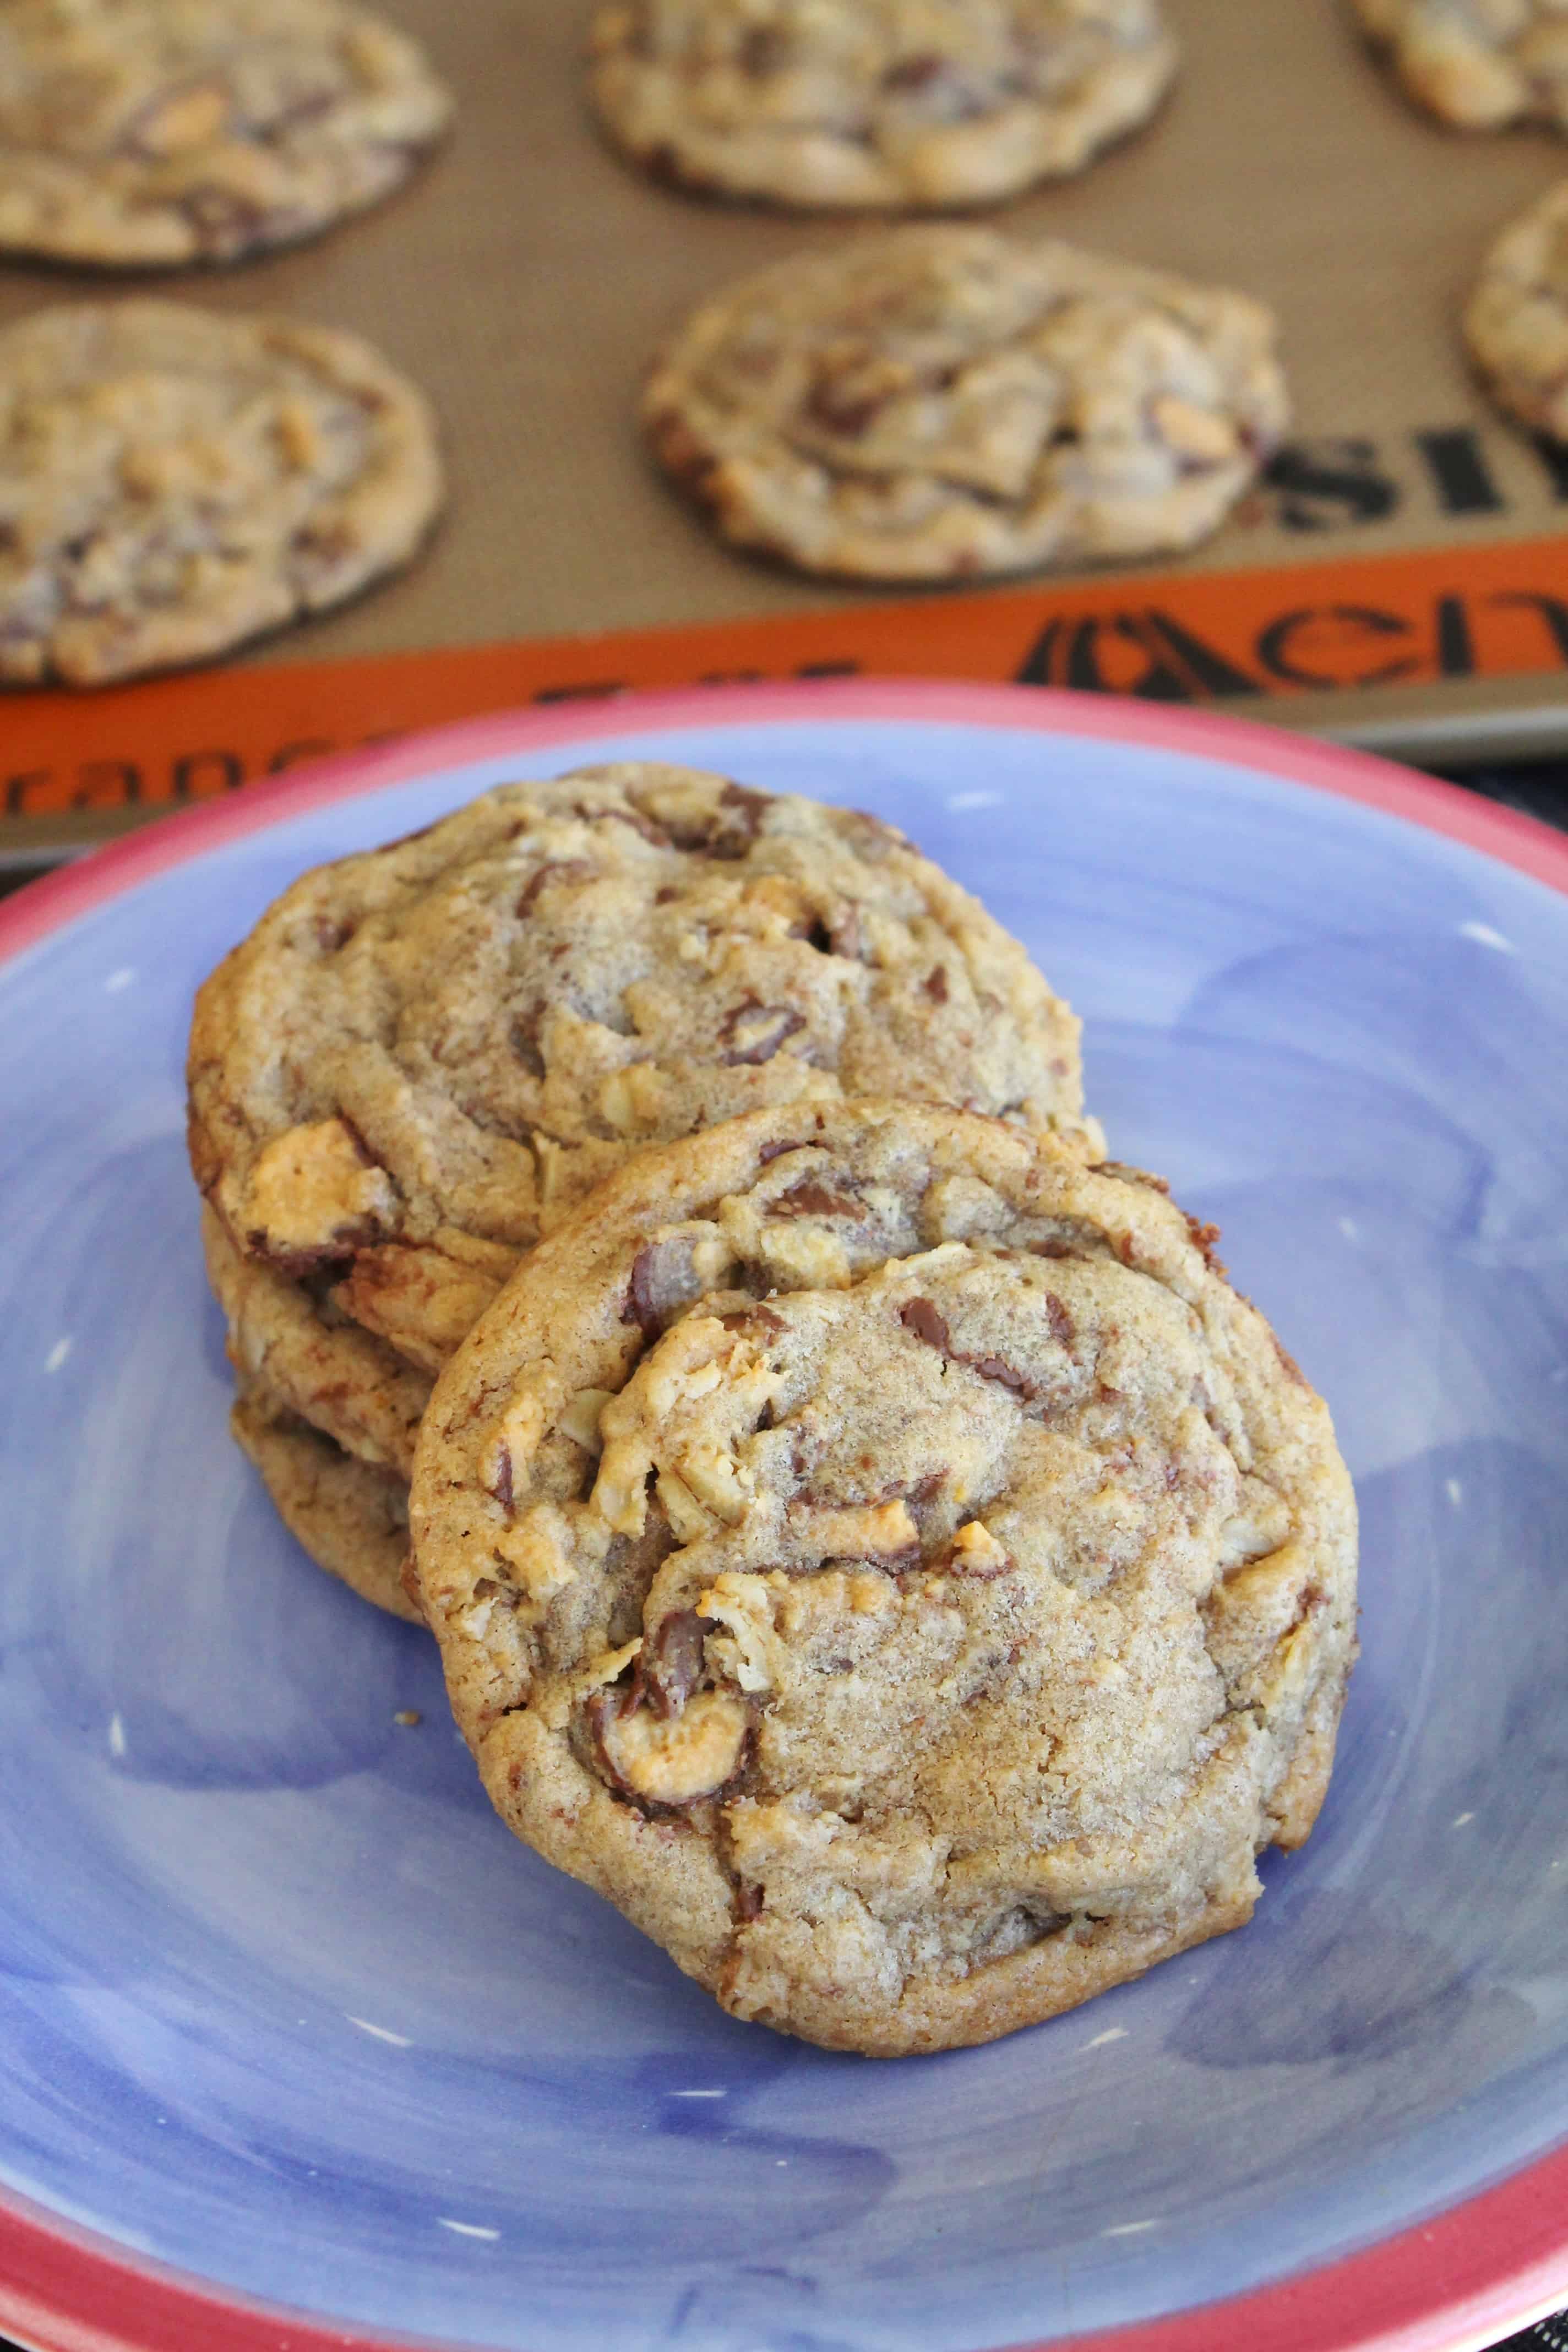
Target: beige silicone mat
525,274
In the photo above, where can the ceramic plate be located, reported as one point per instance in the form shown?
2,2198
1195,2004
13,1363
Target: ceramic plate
299,2048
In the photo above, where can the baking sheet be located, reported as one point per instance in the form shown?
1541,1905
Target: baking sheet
1401,580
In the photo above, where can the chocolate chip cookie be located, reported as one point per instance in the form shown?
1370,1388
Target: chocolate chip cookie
351,1518
1516,321
1478,64
142,133
912,104
425,1056
327,1414
288,1340
881,1553
174,481
940,403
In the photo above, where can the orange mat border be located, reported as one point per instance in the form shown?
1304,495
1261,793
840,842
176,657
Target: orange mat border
1277,634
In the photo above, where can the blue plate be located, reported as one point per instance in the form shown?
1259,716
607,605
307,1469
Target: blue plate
288,2022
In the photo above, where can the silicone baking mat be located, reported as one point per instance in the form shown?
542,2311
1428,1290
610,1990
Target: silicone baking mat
1400,578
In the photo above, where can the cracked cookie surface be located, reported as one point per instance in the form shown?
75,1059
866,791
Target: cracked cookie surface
1478,65
174,481
887,103
883,1554
158,132
1516,321
426,1055
944,401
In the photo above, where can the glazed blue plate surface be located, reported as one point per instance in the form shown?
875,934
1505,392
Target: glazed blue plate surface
281,2003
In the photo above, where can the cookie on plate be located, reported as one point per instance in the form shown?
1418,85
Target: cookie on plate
1516,321
905,104
174,481
142,133
328,1414
1478,64
351,1518
881,1553
943,403
289,1342
425,1056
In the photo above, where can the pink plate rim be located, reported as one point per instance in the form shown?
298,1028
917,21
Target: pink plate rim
1523,842
1461,2281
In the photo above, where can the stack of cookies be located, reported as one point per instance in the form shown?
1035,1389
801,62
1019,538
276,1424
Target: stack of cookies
664,1252
423,1058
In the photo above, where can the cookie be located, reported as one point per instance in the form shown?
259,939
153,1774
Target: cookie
311,1361
945,403
883,1554
1478,64
908,104
1516,321
146,134
424,1055
351,1519
173,482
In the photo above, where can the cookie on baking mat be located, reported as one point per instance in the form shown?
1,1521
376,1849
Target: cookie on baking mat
174,481
891,103
424,1055
943,401
1516,321
1478,64
883,1554
143,133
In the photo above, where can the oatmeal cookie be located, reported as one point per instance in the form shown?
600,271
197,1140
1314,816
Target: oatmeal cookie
154,132
943,401
881,1553
172,481
1478,64
352,1518
891,103
1516,321
307,1356
424,1055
